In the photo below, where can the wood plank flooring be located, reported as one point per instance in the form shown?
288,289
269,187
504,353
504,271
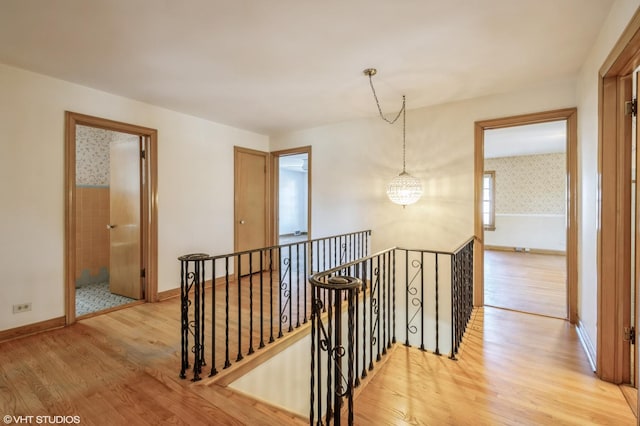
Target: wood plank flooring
122,368
117,369
513,369
526,282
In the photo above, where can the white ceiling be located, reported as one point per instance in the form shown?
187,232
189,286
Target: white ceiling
530,139
271,66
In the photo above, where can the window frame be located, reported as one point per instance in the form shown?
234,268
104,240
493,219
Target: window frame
491,226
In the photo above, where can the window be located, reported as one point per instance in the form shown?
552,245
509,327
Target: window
488,200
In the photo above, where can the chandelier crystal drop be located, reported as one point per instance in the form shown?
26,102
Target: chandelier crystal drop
403,189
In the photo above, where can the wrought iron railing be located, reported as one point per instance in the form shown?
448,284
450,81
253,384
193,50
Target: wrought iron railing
256,297
393,290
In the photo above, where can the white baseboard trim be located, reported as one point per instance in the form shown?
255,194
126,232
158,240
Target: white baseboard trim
587,345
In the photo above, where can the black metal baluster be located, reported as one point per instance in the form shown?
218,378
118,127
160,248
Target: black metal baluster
316,306
371,312
250,304
262,254
353,294
214,371
422,310
271,338
227,362
384,303
453,307
313,359
329,337
280,292
358,274
337,360
239,282
407,295
297,286
389,292
324,265
202,316
308,248
437,351
364,319
184,313
290,291
196,323
380,285
393,285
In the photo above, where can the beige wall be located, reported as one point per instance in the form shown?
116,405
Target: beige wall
587,91
195,161
352,162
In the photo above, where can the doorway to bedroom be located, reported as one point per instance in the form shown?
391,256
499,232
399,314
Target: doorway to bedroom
292,182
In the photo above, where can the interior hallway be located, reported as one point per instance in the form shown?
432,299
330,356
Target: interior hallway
122,368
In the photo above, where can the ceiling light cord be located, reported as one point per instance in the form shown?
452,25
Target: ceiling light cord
401,112
404,189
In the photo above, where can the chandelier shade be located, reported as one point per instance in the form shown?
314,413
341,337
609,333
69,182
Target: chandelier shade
404,189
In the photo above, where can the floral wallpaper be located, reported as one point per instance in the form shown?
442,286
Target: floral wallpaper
529,184
92,154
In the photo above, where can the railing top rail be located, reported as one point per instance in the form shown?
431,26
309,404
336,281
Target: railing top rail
460,247
314,278
204,256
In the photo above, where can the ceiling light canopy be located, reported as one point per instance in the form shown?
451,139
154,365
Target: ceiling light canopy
404,189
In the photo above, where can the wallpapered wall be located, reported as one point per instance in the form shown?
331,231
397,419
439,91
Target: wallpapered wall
92,154
530,184
530,202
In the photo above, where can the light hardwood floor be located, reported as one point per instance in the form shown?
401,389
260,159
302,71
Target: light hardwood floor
526,282
122,368
513,369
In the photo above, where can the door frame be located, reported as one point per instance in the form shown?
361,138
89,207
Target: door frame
570,115
614,234
275,185
149,207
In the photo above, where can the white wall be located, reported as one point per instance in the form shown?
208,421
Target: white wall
532,231
195,184
352,162
587,95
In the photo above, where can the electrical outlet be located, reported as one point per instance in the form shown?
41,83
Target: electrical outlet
22,307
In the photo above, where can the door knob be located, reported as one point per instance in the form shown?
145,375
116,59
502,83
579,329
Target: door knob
111,226
242,222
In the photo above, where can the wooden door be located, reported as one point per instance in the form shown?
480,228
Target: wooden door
124,254
251,204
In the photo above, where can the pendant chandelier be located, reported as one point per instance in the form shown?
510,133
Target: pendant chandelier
403,189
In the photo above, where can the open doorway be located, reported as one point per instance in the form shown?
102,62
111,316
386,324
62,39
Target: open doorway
111,227
292,203
524,214
568,115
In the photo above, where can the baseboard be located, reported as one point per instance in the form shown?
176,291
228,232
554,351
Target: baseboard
26,330
587,345
168,294
175,292
526,250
